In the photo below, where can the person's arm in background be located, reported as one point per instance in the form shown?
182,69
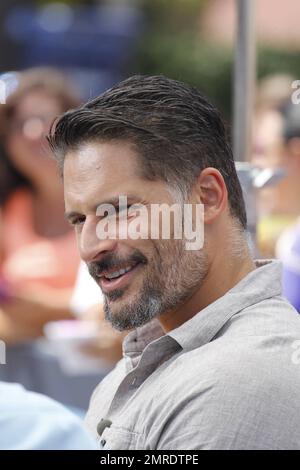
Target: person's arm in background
30,421
108,344
24,314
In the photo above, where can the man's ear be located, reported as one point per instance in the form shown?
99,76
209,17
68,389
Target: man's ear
211,191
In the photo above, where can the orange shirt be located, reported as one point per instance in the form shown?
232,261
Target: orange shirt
30,258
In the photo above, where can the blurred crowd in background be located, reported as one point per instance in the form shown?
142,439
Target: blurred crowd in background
55,55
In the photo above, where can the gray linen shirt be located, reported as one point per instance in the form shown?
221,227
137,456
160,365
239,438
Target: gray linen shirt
229,378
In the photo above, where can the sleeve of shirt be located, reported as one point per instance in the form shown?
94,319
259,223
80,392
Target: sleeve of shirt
30,421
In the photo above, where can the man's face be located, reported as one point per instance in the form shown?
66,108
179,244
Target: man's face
142,278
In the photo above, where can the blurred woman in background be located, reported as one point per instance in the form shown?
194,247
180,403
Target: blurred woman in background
38,253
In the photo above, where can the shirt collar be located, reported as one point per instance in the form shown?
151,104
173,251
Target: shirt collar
260,284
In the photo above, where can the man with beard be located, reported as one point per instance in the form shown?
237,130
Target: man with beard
209,362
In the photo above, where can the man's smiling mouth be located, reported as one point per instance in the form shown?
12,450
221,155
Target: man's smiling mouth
117,277
115,273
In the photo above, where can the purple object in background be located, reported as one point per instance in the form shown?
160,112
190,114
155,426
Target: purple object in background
288,251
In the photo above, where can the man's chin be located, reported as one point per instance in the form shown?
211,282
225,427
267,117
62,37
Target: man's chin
118,310
118,320
125,315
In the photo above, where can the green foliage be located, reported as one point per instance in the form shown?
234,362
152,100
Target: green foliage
172,45
172,14
185,56
278,61
188,58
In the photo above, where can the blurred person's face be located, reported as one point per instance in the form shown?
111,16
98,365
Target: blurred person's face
267,143
160,273
271,151
26,143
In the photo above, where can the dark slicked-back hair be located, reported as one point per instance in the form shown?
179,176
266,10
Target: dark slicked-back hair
176,131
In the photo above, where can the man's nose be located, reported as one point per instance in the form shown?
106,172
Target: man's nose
90,246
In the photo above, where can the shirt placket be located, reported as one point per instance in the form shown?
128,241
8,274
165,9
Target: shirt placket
155,354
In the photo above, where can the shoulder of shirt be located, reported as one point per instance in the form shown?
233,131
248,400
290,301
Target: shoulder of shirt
17,397
260,338
22,410
254,340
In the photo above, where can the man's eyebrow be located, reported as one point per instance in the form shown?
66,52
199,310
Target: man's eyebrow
114,201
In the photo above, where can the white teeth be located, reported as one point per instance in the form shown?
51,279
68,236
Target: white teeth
118,273
112,275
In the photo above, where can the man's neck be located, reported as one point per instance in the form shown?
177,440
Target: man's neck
221,277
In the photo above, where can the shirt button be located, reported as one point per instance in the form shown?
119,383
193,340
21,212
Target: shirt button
103,442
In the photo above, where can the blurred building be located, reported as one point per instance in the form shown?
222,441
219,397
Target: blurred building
93,41
277,22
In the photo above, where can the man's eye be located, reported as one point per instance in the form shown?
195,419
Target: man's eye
123,208
77,220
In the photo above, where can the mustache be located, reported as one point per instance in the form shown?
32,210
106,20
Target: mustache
113,262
